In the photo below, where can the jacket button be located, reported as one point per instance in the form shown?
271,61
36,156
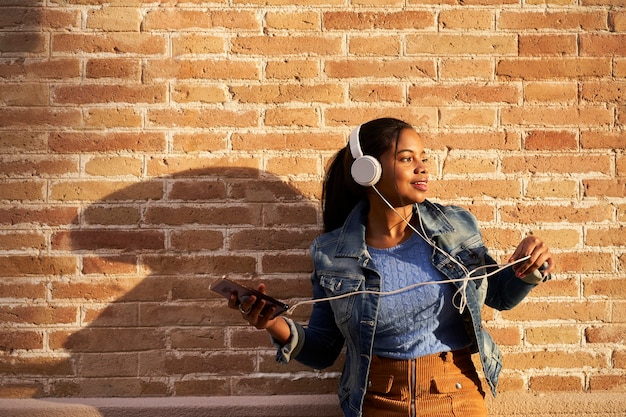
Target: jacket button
369,384
458,385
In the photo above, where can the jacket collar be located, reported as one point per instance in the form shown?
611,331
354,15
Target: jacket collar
351,238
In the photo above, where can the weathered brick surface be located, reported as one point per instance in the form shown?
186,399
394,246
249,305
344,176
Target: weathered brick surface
148,149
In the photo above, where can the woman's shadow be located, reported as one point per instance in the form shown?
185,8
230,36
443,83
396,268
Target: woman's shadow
148,323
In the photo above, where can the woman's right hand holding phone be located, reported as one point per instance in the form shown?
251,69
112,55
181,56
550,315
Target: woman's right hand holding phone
251,309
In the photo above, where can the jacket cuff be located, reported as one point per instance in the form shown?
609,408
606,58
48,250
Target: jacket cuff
286,352
536,278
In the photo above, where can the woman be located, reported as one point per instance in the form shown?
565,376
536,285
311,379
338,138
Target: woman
408,352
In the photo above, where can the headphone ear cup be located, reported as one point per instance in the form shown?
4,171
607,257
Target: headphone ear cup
366,170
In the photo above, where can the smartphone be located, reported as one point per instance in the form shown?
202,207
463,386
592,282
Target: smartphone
226,287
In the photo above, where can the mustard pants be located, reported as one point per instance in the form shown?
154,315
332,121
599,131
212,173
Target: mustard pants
439,385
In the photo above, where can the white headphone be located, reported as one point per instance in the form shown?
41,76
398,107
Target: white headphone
366,169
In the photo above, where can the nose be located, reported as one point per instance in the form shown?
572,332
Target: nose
421,168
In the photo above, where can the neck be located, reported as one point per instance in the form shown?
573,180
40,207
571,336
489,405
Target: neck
385,228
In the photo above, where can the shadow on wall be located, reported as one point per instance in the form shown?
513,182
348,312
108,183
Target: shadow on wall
149,324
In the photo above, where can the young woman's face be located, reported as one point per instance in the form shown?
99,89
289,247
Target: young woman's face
404,178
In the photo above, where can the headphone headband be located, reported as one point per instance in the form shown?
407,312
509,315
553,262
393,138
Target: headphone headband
355,147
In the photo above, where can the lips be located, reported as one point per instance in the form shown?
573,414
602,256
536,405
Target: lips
420,185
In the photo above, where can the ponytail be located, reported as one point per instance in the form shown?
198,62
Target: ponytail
339,192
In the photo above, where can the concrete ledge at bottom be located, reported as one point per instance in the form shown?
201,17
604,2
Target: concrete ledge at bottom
603,404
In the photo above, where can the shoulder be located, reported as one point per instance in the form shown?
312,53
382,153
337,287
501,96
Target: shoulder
457,216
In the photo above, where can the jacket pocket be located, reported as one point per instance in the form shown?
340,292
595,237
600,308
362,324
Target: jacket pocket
344,288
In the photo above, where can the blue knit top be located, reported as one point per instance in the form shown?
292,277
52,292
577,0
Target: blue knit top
420,321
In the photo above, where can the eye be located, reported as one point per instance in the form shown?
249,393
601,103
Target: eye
425,160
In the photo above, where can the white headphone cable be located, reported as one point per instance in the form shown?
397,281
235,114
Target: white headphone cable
500,267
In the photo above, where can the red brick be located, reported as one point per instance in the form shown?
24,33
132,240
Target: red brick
545,310
180,19
22,142
99,290
551,68
38,315
287,93
23,240
551,92
308,117
24,94
190,93
199,142
114,166
417,116
36,18
216,265
286,45
553,20
118,43
604,287
215,69
25,43
376,93
109,265
106,190
272,240
606,334
286,263
115,19
128,69
604,188
556,116
92,340
544,213
448,94
40,117
407,19
368,68
111,118
20,340
99,239
604,383
548,45
548,140
35,366
87,94
559,164
603,44
479,140
22,190
453,117
41,69
209,118
295,69
293,21
37,166
67,142
288,141
50,216
465,18
197,240
461,44
552,383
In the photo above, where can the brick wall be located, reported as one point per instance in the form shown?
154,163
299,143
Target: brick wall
148,149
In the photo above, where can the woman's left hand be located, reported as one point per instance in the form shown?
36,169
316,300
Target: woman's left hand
539,254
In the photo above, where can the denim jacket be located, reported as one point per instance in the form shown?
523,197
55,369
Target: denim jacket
342,265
